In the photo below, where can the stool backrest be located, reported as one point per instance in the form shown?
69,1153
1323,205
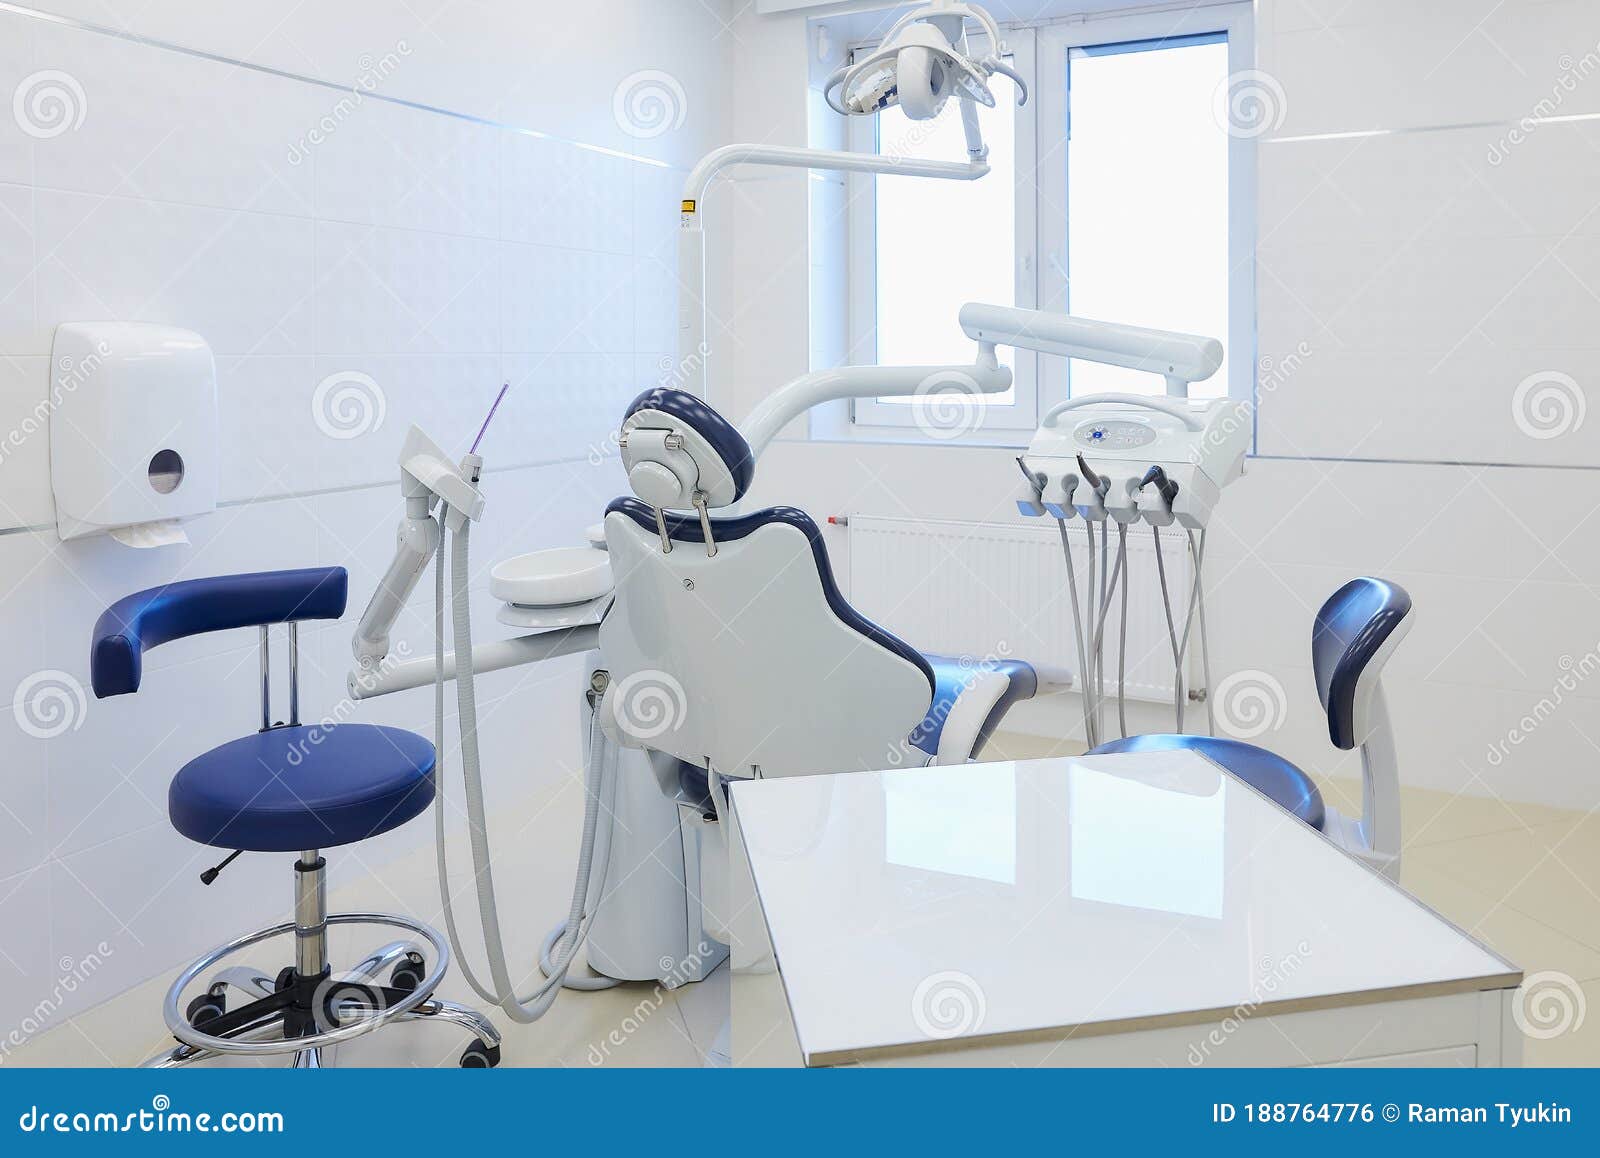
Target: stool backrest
1355,631
149,618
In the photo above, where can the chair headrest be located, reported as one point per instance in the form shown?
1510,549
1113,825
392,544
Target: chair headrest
675,445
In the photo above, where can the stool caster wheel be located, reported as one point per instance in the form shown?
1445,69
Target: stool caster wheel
480,1055
207,1007
409,973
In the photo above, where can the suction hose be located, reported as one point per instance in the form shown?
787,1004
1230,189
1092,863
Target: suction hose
1077,631
599,785
1172,633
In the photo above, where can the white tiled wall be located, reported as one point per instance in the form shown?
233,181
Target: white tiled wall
528,239
1426,284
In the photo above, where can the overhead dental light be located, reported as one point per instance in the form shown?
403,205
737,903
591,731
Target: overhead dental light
921,64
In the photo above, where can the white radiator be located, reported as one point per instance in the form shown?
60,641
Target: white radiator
983,589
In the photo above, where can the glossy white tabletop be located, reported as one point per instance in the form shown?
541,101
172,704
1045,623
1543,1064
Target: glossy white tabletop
1108,892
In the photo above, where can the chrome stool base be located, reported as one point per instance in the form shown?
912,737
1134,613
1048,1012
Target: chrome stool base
307,1008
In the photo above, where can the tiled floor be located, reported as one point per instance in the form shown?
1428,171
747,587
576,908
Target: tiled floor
1524,879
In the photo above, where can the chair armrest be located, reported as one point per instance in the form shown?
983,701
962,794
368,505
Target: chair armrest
969,702
964,729
149,618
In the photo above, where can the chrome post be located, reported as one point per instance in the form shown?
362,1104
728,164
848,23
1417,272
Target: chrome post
310,914
705,522
266,680
294,674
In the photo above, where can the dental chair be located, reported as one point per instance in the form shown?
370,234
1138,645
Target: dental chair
1354,634
766,669
288,788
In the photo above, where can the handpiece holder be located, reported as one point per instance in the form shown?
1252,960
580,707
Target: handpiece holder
1179,410
427,476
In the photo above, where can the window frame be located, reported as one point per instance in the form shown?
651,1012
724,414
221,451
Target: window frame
1054,46
1041,55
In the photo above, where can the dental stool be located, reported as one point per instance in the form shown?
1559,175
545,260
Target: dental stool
288,788
1355,632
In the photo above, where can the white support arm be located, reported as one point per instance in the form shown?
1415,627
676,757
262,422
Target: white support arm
416,541
426,476
416,673
777,410
693,350
1180,358
1380,786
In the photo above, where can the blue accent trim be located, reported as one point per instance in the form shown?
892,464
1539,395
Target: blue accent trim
951,677
147,619
708,424
1266,772
686,529
695,785
313,786
1350,628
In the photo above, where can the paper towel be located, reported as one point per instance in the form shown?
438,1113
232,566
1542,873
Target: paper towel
161,533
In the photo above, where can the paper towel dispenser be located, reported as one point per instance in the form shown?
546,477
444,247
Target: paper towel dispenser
133,430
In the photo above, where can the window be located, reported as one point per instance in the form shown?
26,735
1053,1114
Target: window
1147,196
1116,193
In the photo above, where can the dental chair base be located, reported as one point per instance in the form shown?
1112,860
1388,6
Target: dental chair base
649,926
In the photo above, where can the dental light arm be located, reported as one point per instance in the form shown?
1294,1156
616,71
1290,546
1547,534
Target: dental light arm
923,63
777,410
1179,358
426,476
693,349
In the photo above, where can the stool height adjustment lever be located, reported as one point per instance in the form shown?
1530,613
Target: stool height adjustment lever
213,873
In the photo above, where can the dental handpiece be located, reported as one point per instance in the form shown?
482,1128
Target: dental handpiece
1165,487
1036,481
1096,482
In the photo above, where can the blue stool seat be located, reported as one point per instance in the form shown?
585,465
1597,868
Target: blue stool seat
1266,772
303,787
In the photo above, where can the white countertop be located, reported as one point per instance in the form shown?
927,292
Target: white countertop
1095,893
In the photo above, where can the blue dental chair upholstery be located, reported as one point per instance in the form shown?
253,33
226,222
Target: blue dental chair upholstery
1266,772
1354,632
286,788
952,678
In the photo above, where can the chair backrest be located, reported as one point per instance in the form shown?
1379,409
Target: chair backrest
146,619
1354,634
750,657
